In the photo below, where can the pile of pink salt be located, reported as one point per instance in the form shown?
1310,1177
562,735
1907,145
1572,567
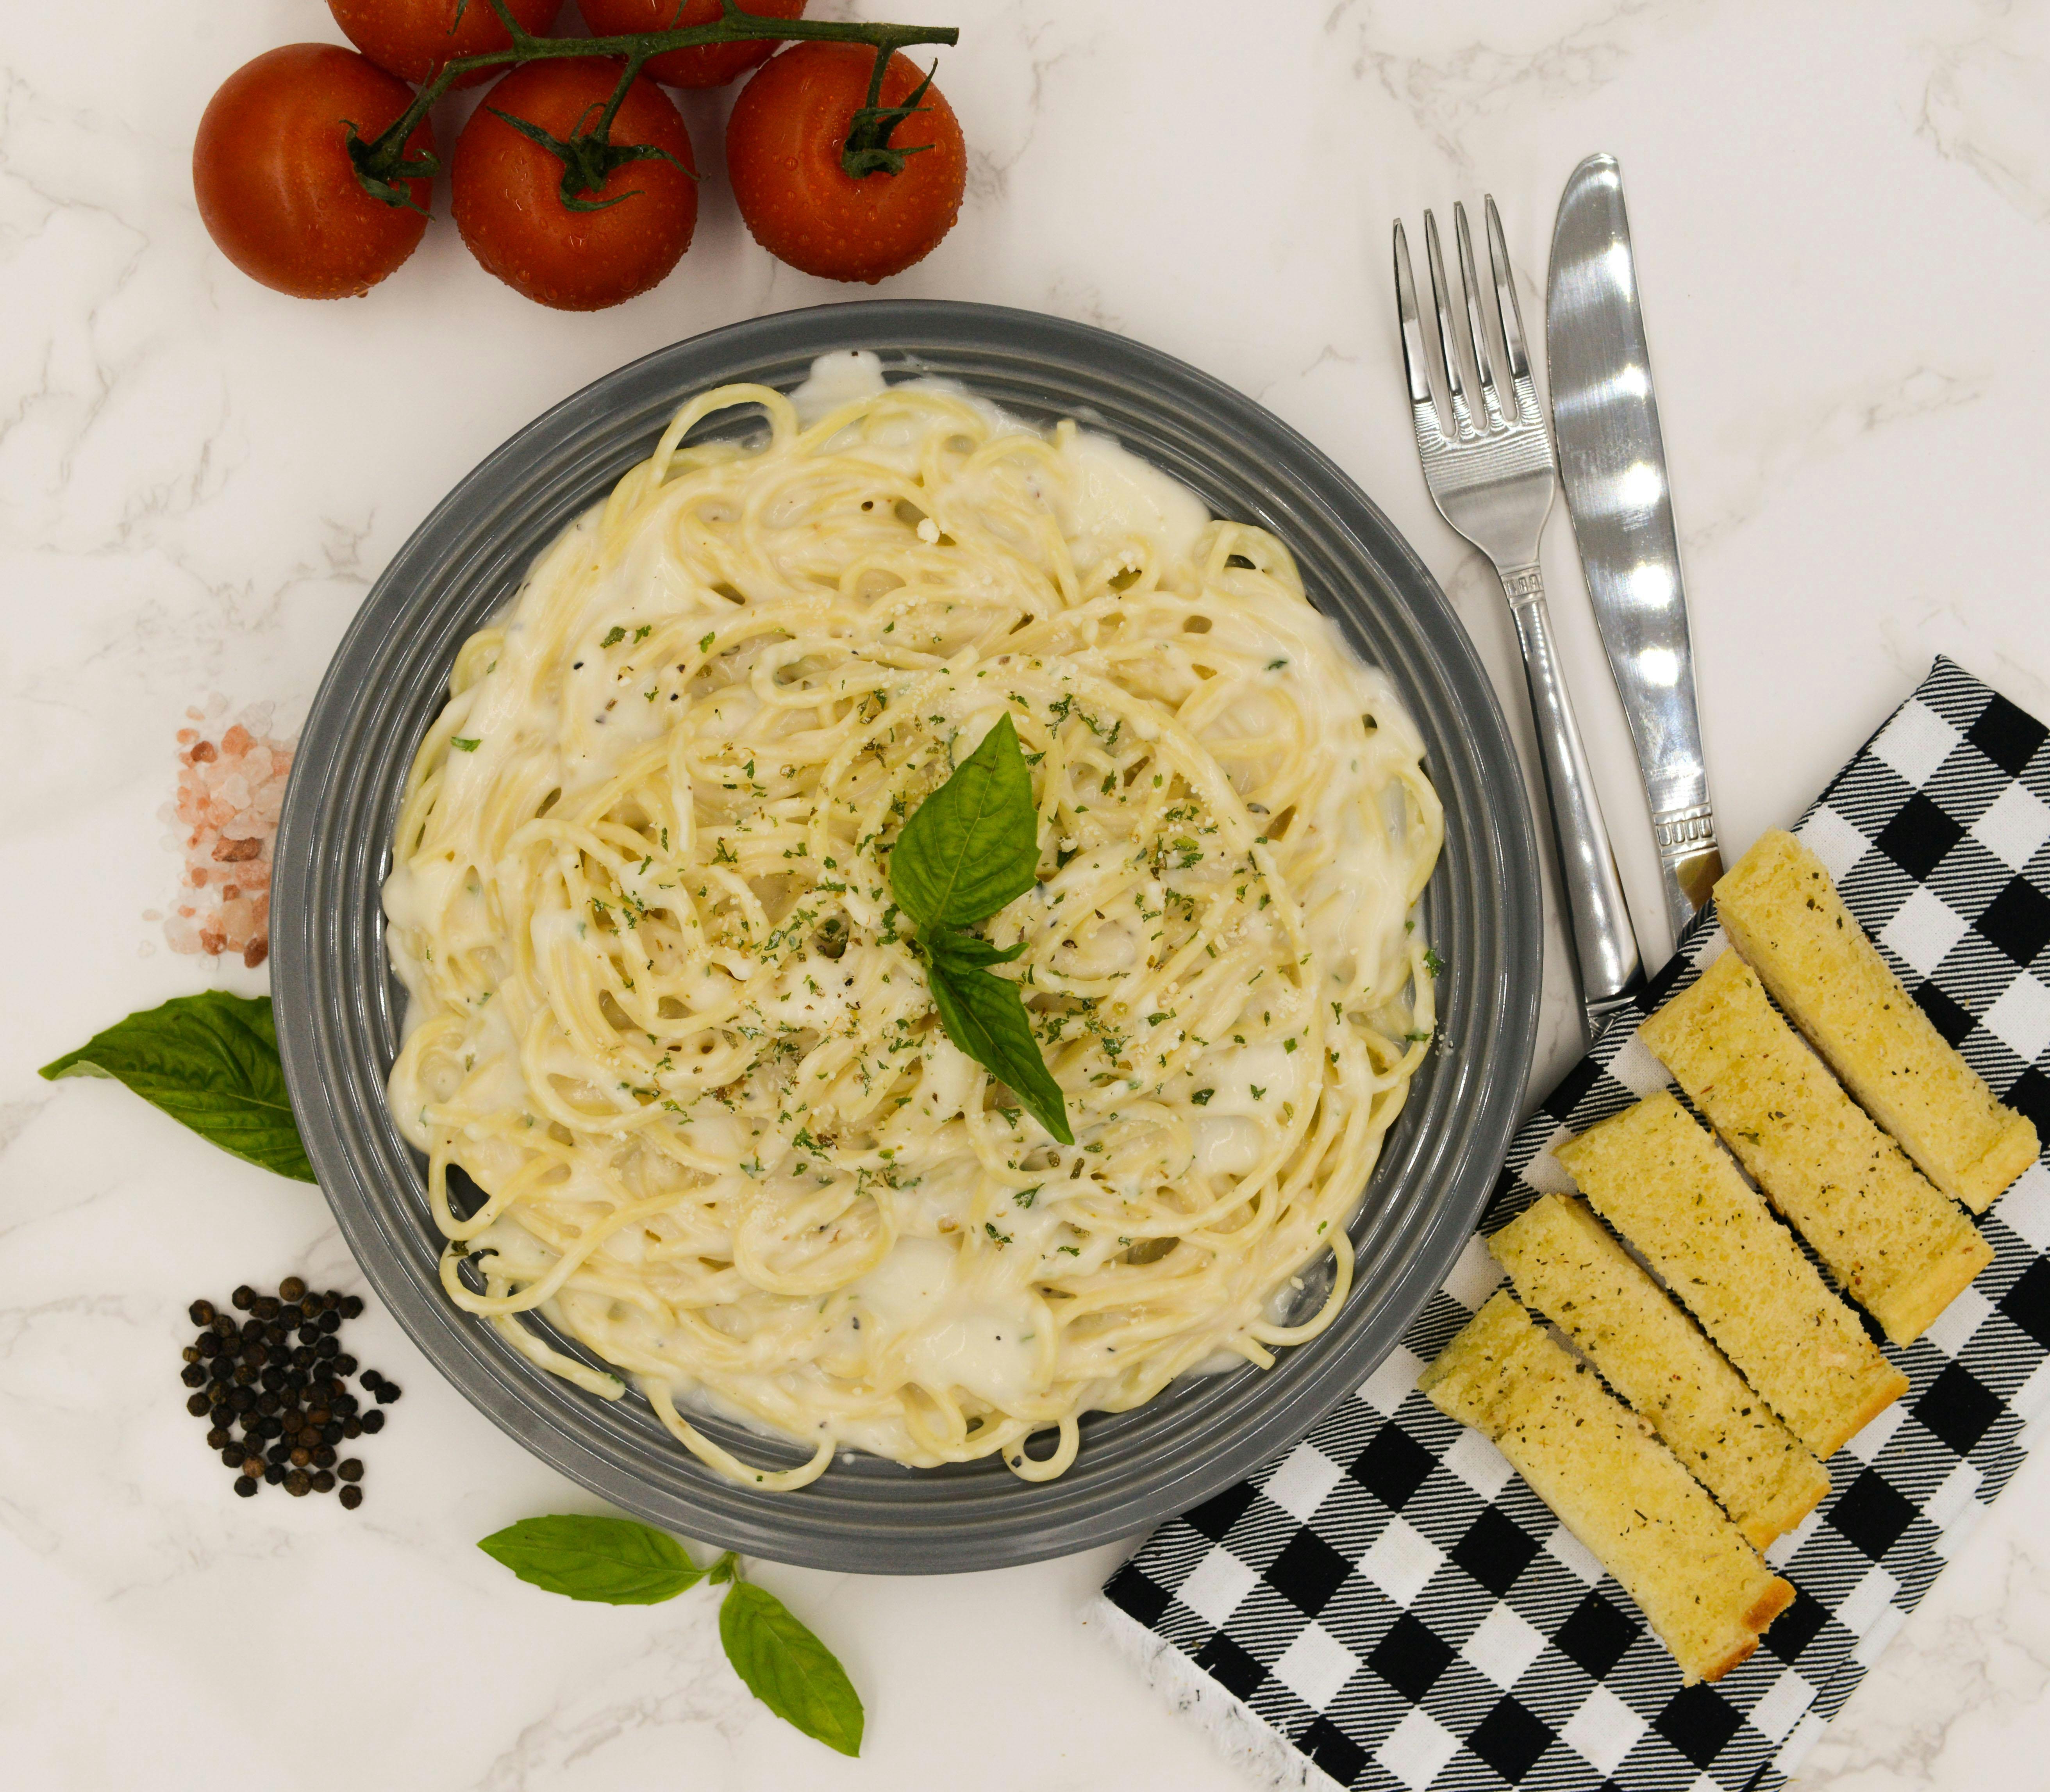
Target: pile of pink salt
231,787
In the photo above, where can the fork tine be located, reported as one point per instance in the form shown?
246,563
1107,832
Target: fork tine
1454,385
1476,317
1423,402
1505,306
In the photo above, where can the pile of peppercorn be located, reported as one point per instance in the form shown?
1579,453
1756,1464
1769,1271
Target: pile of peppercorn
281,1378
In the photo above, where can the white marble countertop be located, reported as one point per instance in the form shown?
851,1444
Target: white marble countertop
1843,229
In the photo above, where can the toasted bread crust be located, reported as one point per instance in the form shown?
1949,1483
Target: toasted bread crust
1610,1482
1663,1182
1783,912
1564,1262
1894,1244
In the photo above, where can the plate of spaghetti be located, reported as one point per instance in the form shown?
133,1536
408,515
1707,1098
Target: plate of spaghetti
905,936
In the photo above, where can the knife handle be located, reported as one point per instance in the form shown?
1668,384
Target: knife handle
1689,861
1605,945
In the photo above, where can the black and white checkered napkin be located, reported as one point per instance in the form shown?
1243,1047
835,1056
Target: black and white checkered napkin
1390,1602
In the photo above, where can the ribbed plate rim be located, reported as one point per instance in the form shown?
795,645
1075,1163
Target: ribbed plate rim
331,997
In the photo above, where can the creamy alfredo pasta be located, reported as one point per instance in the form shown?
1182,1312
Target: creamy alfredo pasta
664,1014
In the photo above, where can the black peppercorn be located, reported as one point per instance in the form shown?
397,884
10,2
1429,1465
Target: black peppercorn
232,1454
333,1431
324,1457
201,1312
218,1438
244,1486
371,1377
265,1307
270,1426
352,1427
221,1368
242,1401
350,1468
352,1307
323,1483
330,1321
308,1334
298,1482
275,1334
220,1412
326,1348
193,1375
388,1392
352,1497
207,1344
344,1364
344,1403
301,1456
278,1455
243,1297
266,1404
245,1376
222,1326
291,1318
273,1474
189,1353
373,1421
199,1406
291,1288
303,1357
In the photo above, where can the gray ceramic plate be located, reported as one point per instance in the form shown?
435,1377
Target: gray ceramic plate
339,1009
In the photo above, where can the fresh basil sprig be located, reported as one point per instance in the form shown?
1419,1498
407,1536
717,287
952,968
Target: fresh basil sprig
619,1562
788,1668
613,1561
969,848
211,1062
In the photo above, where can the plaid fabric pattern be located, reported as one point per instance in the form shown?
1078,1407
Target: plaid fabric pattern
1392,1600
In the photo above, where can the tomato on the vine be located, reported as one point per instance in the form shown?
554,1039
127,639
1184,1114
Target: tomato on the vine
623,233
416,39
709,64
276,187
784,146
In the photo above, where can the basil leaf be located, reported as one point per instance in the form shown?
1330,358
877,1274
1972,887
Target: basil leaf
984,1016
965,949
612,1560
211,1062
973,845
788,1668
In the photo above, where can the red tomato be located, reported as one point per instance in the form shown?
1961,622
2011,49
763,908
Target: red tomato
416,38
783,145
713,65
508,189
276,188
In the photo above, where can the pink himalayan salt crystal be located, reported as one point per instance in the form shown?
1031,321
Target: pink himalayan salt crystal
231,789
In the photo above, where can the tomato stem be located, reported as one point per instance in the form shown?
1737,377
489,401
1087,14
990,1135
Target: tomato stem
868,150
383,167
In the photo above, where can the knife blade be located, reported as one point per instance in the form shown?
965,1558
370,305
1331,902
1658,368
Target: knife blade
1612,465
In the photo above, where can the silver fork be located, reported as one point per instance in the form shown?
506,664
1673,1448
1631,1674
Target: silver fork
1493,479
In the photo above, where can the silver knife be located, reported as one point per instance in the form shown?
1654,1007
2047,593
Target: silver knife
1612,464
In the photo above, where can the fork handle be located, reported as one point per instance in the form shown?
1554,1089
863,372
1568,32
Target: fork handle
1605,945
